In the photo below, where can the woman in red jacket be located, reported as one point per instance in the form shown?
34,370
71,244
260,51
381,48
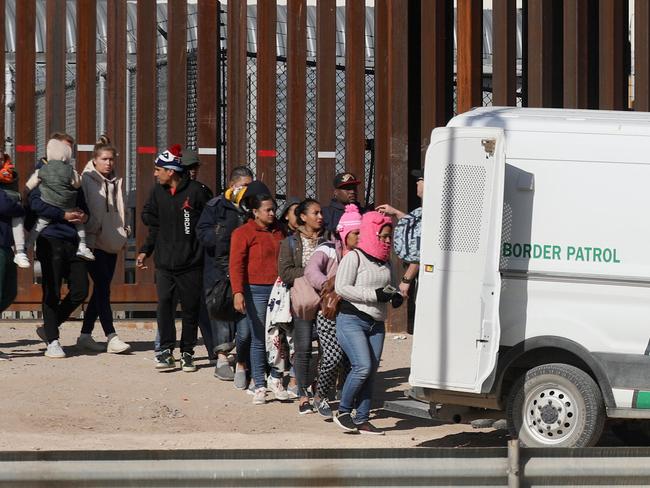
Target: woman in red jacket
254,250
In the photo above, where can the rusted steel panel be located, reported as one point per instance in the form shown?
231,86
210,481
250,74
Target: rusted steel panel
382,104
296,96
326,101
581,53
146,117
504,75
116,79
355,91
642,55
470,54
236,103
116,99
176,71
25,120
86,77
391,115
544,53
55,67
613,49
266,87
437,67
3,100
207,89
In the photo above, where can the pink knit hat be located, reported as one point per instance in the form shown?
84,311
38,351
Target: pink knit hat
350,220
371,224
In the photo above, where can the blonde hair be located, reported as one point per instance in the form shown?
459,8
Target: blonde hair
103,144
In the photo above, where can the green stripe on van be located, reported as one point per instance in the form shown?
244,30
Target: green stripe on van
643,399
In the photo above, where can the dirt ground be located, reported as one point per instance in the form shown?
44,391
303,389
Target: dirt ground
105,401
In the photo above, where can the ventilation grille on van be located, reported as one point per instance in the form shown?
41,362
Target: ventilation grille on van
462,208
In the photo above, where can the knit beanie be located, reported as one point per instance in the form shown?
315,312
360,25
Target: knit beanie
350,221
371,224
171,159
58,151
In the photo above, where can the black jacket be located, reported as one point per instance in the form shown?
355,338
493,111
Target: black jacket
219,219
9,208
172,223
333,213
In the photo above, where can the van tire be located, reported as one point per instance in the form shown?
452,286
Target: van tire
555,405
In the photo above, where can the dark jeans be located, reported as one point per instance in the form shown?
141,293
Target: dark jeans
302,341
223,335
101,271
183,283
8,278
58,262
363,343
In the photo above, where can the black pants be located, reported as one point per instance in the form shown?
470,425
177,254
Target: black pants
58,262
101,271
302,340
187,286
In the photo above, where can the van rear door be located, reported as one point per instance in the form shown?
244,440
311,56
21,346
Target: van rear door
456,334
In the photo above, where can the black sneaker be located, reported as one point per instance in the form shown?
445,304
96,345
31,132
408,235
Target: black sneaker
305,408
165,360
368,428
344,420
187,362
322,407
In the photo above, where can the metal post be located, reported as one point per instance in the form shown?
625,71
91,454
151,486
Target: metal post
514,478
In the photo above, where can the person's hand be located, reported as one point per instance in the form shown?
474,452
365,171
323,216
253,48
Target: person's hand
404,289
140,260
239,303
74,216
390,211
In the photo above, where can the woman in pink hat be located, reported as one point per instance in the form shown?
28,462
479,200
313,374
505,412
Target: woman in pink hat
363,281
320,273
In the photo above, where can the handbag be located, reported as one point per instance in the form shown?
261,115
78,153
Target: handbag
329,303
305,301
219,302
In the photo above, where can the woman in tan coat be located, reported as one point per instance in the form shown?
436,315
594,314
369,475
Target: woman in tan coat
106,233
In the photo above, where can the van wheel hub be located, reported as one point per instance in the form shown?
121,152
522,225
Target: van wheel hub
550,414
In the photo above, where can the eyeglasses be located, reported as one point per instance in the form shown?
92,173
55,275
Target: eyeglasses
384,237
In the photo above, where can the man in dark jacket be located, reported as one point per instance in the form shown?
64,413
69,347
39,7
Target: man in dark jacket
9,208
56,250
221,216
172,213
345,193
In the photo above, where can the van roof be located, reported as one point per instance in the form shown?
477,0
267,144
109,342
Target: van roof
555,120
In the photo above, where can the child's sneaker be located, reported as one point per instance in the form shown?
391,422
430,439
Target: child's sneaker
22,260
275,385
84,253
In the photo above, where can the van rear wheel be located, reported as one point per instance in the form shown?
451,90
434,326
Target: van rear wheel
556,405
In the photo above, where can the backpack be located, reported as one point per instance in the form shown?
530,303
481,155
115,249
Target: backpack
406,237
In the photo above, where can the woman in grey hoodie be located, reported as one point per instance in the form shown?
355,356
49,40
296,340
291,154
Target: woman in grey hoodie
106,233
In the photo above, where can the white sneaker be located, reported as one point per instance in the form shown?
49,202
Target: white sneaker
115,345
85,253
259,397
54,350
275,385
86,341
22,260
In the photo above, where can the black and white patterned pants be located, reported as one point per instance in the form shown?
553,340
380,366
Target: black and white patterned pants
331,356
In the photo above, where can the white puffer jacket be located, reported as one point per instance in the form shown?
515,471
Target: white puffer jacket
106,228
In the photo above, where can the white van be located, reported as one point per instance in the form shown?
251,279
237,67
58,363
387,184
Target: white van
534,291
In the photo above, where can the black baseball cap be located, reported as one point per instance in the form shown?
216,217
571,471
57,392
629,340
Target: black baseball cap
345,179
